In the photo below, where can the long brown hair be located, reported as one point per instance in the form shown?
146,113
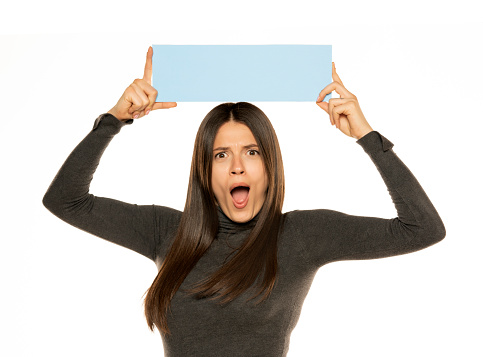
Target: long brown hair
199,223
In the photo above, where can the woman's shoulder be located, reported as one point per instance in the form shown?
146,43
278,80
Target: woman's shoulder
299,217
167,219
310,221
167,210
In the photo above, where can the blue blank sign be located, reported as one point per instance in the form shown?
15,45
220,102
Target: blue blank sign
241,73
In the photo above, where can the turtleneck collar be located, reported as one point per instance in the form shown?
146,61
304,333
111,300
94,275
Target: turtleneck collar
226,225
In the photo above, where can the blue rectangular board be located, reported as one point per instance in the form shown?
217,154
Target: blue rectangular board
241,73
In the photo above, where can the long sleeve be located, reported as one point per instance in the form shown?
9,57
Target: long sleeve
136,227
327,235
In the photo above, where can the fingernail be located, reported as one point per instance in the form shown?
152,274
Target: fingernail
136,116
147,111
318,98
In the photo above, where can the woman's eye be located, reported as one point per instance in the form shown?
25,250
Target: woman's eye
249,151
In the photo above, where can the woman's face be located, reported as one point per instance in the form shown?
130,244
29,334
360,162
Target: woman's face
236,160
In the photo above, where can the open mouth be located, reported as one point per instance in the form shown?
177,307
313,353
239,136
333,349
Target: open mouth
240,196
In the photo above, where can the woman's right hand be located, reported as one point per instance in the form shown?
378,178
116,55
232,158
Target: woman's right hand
139,98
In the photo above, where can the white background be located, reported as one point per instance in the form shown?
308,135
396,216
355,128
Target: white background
415,67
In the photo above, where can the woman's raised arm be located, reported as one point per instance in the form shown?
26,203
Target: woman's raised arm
328,235
132,226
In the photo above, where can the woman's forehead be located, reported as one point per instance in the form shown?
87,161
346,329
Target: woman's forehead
234,134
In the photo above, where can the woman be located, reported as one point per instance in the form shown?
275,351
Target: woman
232,243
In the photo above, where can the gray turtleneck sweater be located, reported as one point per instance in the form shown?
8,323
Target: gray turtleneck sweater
310,239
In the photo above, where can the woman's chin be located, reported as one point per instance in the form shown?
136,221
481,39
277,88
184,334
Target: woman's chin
241,215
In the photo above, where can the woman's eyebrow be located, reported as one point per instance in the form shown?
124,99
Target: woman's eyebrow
226,147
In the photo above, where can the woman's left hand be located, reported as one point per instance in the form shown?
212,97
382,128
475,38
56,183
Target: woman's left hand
344,112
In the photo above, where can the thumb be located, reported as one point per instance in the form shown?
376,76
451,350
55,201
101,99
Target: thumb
164,105
324,106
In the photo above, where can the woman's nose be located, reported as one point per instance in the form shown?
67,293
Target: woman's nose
237,166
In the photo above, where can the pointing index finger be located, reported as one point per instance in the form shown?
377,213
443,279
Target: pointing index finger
335,76
148,68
